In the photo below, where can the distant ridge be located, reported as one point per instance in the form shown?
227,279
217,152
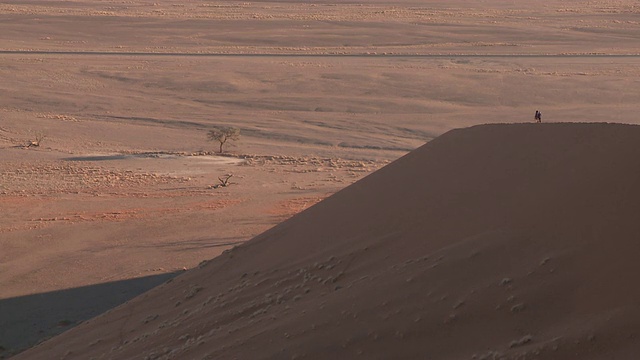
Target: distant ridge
516,241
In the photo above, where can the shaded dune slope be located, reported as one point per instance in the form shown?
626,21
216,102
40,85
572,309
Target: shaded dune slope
496,241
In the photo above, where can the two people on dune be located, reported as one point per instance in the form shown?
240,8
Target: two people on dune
538,116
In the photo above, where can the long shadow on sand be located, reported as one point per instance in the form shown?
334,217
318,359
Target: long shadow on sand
27,320
196,244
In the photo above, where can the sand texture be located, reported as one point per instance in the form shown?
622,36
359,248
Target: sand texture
496,241
123,191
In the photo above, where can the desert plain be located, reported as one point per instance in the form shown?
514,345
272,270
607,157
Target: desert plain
121,196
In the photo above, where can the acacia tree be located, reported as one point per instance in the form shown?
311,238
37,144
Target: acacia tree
223,134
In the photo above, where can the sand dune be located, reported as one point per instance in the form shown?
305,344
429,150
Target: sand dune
490,242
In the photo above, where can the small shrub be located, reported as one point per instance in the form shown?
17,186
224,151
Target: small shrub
35,143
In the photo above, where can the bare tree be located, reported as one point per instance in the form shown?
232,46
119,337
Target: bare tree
223,134
37,141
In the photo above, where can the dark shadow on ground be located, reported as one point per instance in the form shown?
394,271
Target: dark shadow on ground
28,320
196,244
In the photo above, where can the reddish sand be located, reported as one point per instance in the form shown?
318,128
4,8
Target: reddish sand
121,195
496,241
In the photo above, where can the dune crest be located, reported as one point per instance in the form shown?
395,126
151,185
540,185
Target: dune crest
490,242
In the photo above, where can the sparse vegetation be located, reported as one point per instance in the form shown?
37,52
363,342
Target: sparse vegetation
35,143
223,182
223,134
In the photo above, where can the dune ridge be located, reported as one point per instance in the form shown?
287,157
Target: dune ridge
511,241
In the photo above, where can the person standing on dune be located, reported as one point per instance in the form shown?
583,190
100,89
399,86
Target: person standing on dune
538,116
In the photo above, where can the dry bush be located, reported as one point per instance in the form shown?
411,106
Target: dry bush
35,143
223,182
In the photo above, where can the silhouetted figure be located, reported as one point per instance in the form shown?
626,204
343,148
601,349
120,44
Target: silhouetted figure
538,116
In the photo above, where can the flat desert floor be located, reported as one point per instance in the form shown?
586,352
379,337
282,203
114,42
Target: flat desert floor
120,196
